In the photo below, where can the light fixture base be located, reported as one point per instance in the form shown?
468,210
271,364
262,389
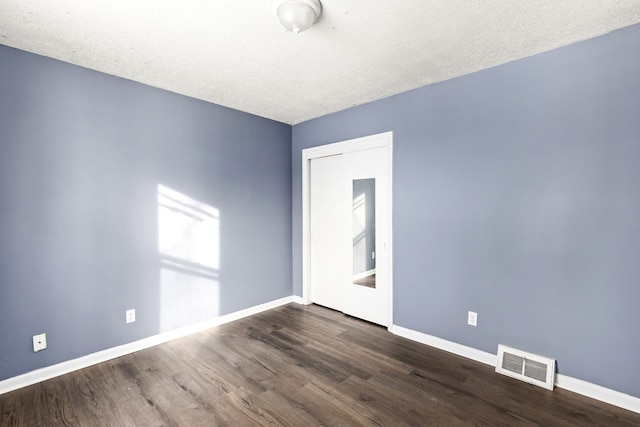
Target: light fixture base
297,15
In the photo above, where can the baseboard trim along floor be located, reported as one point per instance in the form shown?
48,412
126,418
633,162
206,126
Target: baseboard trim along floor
575,385
59,369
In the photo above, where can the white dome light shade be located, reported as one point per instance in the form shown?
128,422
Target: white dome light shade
297,15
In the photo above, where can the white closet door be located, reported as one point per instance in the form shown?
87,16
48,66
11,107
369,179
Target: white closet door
329,267
349,232
367,291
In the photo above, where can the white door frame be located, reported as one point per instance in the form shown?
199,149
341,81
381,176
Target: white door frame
373,141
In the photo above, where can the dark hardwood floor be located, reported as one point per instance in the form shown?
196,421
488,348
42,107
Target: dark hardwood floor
298,366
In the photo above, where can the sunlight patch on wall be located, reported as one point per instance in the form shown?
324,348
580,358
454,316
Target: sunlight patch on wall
189,248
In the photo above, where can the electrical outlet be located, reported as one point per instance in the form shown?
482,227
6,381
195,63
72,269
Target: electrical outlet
39,342
472,318
131,315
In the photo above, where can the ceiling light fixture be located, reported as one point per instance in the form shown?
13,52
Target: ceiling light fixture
297,15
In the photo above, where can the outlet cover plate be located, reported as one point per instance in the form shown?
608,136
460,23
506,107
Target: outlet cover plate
39,342
472,318
131,315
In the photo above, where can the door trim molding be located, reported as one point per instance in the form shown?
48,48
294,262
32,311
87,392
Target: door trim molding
381,140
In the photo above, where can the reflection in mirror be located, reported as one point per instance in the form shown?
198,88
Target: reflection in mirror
364,232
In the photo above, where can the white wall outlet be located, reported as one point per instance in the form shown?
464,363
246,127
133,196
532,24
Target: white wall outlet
131,315
39,342
472,318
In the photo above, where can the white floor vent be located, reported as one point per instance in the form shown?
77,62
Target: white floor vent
531,368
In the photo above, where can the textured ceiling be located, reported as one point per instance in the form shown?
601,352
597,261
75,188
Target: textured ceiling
235,53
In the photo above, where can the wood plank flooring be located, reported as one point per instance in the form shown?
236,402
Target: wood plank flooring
298,366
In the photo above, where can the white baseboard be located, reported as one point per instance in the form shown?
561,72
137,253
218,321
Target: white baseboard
575,385
53,371
300,300
451,347
597,392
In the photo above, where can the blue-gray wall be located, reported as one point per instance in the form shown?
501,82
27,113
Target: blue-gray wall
516,195
81,155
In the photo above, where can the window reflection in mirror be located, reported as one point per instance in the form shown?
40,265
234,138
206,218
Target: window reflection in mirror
364,232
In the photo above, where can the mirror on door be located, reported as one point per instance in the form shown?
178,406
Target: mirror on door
364,232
